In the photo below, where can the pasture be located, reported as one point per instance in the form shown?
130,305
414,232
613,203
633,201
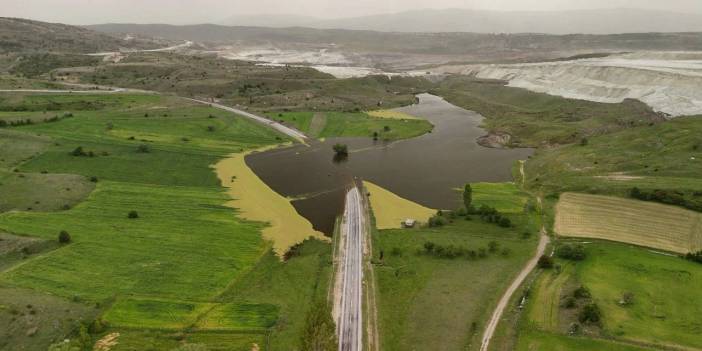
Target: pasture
636,222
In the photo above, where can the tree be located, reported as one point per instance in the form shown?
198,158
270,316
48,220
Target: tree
545,262
320,331
64,237
341,149
504,222
143,148
78,151
571,252
590,314
133,215
429,246
493,246
467,196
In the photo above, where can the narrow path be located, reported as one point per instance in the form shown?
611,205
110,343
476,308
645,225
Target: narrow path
350,320
504,300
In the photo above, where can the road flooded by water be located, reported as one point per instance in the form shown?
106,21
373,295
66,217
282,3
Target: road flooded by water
426,169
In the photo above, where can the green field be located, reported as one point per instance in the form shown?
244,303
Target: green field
664,311
665,156
352,124
505,197
178,264
432,303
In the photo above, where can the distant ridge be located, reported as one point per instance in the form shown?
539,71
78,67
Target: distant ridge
606,21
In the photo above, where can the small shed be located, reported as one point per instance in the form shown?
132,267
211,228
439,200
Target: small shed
409,223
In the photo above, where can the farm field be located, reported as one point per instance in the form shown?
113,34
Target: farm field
166,272
642,223
355,124
505,197
663,311
429,302
391,210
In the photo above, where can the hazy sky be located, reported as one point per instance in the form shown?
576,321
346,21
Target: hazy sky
198,11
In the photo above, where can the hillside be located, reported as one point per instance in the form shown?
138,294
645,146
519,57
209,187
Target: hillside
23,36
603,21
424,43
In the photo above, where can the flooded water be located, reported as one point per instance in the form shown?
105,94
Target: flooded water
426,169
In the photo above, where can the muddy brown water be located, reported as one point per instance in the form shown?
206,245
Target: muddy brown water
426,169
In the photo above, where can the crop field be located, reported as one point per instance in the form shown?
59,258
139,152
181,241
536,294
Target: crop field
172,267
637,222
354,124
664,313
391,210
431,303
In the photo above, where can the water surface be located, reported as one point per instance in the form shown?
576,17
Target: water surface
426,169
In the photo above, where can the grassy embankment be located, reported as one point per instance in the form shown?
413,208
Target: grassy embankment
428,302
387,126
535,119
662,313
166,277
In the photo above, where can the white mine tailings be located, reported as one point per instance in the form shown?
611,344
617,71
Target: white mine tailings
669,82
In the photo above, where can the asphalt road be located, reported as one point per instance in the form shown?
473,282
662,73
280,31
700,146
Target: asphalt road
350,324
275,125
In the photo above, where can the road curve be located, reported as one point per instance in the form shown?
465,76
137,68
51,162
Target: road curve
294,133
504,300
350,322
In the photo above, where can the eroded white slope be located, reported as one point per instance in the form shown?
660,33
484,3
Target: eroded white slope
668,82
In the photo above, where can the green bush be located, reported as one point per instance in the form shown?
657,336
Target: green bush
64,237
133,215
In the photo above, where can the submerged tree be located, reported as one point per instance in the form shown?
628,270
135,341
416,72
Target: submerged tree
341,149
320,331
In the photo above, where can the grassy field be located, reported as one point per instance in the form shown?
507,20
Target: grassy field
535,119
664,311
391,210
431,303
665,156
505,197
175,267
540,341
354,124
642,223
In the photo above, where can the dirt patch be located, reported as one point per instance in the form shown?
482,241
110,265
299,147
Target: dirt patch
106,343
619,176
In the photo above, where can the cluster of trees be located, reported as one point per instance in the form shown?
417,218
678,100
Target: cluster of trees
24,122
694,256
319,333
571,252
486,213
452,251
670,197
491,215
79,152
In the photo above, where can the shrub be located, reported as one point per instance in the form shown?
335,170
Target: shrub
694,256
627,299
570,302
545,262
78,151
581,293
437,221
210,128
64,237
143,148
571,252
94,179
396,251
133,214
493,246
504,222
590,314
429,246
